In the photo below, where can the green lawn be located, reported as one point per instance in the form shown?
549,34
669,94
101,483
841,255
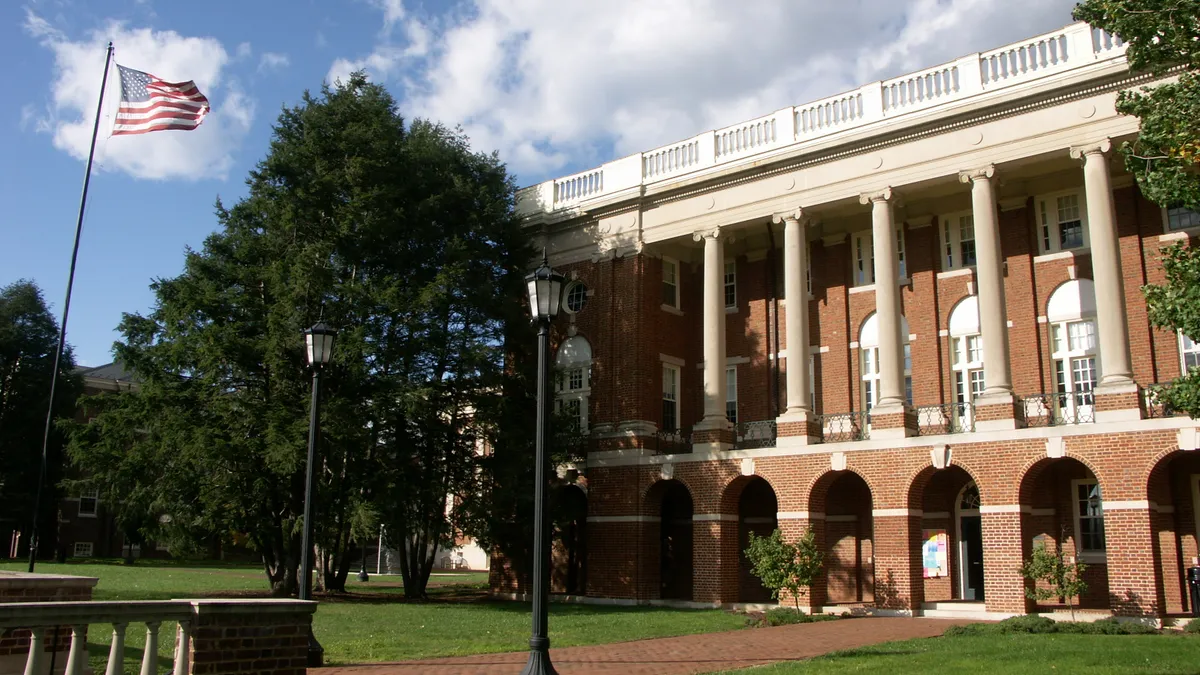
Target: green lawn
374,623
1016,654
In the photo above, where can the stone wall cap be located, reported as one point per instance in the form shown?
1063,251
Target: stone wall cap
26,579
254,605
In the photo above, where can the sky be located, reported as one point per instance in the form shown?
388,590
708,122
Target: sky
554,86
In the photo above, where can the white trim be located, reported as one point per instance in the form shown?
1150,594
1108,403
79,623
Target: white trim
1179,235
799,515
1131,505
624,519
671,310
1000,508
1060,255
672,360
678,305
890,513
730,361
1045,214
1166,224
723,517
956,272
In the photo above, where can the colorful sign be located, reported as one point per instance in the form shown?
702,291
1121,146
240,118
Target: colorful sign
933,553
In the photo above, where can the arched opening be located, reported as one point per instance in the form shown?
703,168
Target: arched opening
868,344
573,380
966,359
1074,357
569,568
848,528
757,512
675,543
1062,508
1174,487
951,544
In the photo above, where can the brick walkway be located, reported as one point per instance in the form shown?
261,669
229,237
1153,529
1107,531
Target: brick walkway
704,653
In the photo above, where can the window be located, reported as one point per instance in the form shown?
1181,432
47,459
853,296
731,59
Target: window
731,411
1189,353
576,297
670,398
88,502
868,342
670,283
1089,517
1062,223
1075,362
1180,218
731,284
958,240
780,277
572,382
864,257
83,549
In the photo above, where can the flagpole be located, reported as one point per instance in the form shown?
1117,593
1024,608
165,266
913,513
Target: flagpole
62,328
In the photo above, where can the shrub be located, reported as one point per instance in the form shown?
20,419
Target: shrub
783,566
1041,625
1027,624
967,630
782,616
1192,626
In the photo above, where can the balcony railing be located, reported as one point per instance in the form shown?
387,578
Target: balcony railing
673,442
1069,48
947,418
844,427
1051,410
755,435
1155,406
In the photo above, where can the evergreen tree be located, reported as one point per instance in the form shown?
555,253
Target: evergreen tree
404,239
28,340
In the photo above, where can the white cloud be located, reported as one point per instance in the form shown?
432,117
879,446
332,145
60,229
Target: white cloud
273,61
554,85
206,152
244,51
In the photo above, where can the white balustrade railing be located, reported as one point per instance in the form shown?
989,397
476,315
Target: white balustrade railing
752,136
44,619
1071,47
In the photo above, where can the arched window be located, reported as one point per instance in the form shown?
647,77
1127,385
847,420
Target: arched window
868,342
966,350
572,382
1071,314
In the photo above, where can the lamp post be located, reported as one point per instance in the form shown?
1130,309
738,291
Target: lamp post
319,343
545,296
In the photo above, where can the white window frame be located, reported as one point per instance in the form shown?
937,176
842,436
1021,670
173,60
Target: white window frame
812,382
1088,555
870,380
84,549
673,265
1188,347
565,393
570,287
94,495
862,253
677,373
1065,358
1193,219
731,393
951,232
729,284
964,367
1046,214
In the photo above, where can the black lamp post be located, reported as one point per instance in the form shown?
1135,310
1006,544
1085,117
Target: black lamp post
319,343
545,296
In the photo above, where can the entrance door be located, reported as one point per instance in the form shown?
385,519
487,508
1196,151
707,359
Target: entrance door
675,545
970,543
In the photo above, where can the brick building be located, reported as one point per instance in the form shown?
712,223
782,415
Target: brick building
968,367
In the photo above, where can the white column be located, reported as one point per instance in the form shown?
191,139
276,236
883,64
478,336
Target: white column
989,273
1115,366
714,329
887,299
795,268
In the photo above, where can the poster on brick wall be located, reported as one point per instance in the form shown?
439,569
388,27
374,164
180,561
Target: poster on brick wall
933,553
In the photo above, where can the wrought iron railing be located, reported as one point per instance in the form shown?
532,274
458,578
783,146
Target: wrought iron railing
843,427
1051,410
947,418
673,442
755,435
1155,406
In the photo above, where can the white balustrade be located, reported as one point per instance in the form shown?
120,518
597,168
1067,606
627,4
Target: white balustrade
822,117
1070,47
578,187
739,139
49,621
672,159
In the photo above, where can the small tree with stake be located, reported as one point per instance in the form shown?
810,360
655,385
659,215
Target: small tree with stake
783,566
1062,579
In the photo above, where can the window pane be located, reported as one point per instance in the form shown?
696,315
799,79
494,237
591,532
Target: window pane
1081,335
900,251
670,286
976,383
730,284
955,346
1083,374
1070,234
974,348
670,420
949,246
575,379
966,238
731,394
1045,226
1091,517
670,384
907,359
1059,344
1179,218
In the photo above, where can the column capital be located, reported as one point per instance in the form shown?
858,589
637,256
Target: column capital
1101,147
884,195
797,215
710,233
982,173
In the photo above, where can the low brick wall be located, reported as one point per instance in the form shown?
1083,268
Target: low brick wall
250,636
25,587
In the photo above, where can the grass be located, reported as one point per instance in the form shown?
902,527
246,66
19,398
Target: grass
1011,654
374,623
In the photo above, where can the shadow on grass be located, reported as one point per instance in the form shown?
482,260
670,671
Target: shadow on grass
132,655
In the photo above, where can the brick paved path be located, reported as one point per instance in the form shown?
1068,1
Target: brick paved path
703,653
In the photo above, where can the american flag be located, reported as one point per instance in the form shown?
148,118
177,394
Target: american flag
150,104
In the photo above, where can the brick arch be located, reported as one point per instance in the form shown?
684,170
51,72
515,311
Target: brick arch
919,480
653,493
819,486
731,492
1032,468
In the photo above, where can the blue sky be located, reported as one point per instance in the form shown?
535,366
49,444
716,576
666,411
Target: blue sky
555,86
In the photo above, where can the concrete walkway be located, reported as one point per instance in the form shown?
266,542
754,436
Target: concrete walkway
704,653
